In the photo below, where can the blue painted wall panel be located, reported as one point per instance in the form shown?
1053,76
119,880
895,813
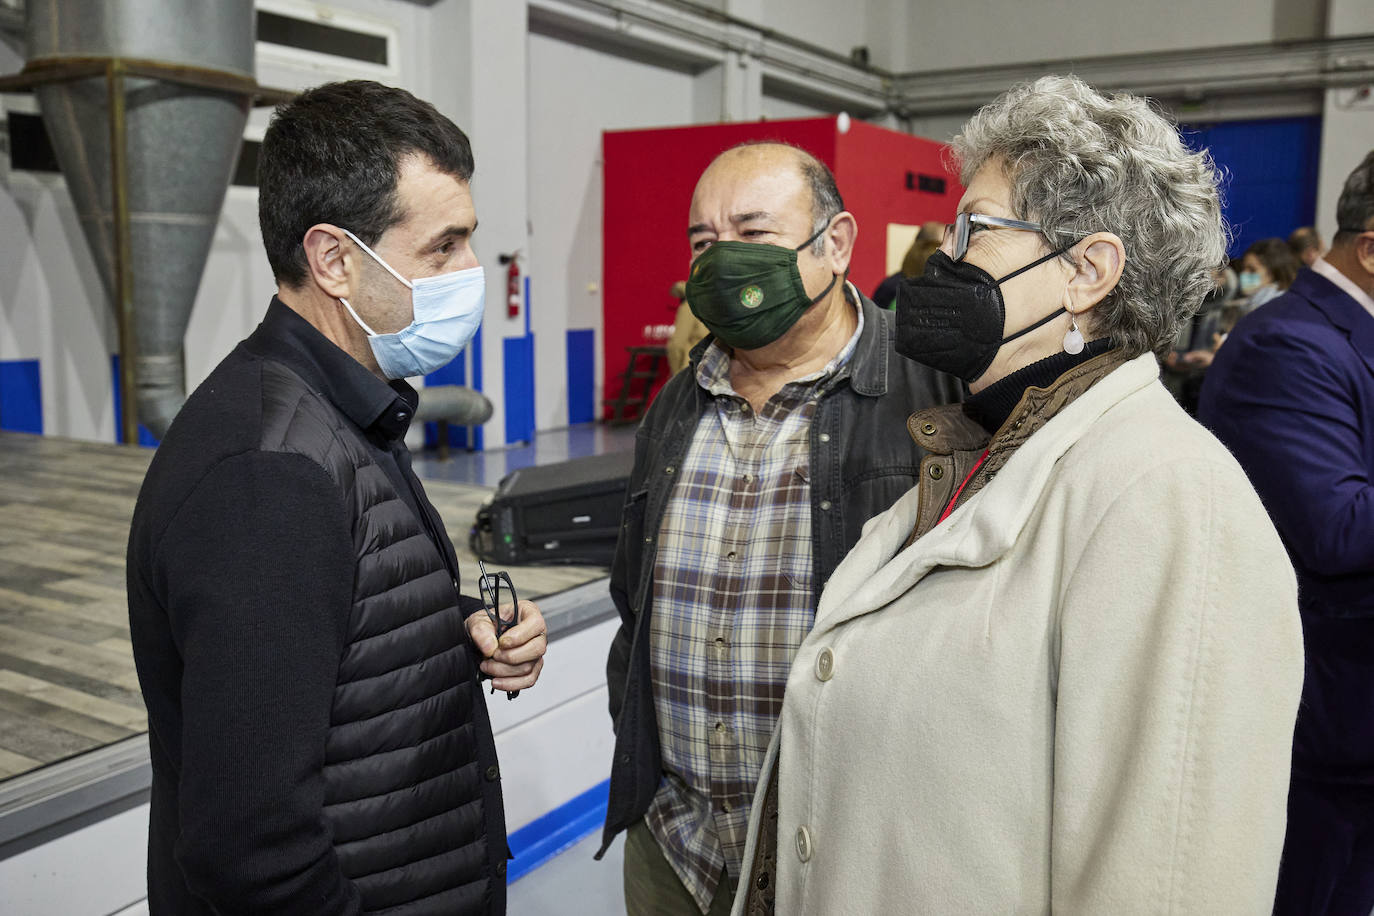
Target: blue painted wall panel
581,376
519,389
21,396
1271,166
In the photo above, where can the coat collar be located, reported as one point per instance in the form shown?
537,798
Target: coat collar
1340,309
979,531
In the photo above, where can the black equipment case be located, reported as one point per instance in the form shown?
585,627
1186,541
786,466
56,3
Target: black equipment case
558,513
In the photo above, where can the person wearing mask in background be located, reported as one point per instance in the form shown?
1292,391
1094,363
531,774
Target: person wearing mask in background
1061,675
1306,245
1267,270
754,472
319,736
1292,395
926,243
687,330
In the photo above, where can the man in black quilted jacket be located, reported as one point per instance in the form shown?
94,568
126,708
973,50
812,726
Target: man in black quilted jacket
319,736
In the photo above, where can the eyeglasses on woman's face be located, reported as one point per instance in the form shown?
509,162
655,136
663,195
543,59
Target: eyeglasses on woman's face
957,233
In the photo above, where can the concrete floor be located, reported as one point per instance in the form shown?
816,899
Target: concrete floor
573,883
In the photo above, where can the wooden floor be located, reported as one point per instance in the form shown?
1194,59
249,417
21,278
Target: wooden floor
67,679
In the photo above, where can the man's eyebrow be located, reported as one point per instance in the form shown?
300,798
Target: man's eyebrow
751,216
697,227
452,232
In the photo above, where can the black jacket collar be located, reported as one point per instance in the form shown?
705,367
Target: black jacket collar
375,406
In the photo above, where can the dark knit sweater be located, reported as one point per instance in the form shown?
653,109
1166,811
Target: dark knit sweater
319,740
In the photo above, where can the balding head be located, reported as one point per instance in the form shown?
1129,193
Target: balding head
775,165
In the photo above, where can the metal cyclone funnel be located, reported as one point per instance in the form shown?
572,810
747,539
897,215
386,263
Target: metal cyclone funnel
181,141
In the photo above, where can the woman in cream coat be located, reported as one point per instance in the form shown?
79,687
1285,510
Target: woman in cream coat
1062,673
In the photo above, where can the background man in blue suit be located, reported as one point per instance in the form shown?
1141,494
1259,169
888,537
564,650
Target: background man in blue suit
1291,393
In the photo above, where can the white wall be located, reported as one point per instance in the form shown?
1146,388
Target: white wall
574,94
1347,119
983,32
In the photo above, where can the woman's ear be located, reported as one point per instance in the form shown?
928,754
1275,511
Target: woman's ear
327,258
1100,258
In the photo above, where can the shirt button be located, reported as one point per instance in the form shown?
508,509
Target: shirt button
936,472
720,728
720,642
803,844
730,555
824,437
726,807
825,505
748,478
825,665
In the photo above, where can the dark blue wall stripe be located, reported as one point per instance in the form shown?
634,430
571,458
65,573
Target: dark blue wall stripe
581,376
455,373
519,371
545,837
21,396
1271,166
145,437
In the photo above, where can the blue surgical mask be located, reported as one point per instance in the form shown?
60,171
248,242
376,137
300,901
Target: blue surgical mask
448,309
1249,282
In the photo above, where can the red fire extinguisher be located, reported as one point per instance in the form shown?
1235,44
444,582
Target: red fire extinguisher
513,297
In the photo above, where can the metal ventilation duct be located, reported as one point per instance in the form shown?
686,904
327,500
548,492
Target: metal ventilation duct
182,143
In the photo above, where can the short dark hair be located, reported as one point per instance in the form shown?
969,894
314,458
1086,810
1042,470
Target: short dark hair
1355,208
826,202
1278,259
333,155
1304,238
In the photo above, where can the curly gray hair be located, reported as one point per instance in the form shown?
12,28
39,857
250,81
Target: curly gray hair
1081,162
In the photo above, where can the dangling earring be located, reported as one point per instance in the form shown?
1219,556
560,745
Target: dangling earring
1073,340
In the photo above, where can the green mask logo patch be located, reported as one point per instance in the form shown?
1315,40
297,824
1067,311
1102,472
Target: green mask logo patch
751,297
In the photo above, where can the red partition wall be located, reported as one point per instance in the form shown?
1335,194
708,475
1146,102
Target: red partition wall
649,179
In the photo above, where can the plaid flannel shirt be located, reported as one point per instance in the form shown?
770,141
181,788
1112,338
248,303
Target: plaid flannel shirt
733,599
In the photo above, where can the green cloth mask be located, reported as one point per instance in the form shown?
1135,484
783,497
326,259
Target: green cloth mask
749,294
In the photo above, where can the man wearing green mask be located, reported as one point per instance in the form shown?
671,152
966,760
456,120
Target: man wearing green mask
755,469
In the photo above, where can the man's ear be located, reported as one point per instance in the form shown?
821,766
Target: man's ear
328,259
841,235
1100,258
1364,253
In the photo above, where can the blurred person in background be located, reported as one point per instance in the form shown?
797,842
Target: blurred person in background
1292,395
687,330
926,243
1268,268
1306,245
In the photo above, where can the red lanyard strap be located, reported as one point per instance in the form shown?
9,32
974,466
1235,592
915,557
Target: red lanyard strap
950,508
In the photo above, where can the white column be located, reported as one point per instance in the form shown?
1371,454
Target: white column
477,53
1347,117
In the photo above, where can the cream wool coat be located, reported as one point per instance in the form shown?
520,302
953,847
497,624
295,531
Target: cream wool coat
1076,695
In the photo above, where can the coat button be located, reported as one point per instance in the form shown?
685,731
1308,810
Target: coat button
936,472
761,882
825,505
648,540
824,437
928,428
501,867
668,470
803,844
625,759
825,664
493,773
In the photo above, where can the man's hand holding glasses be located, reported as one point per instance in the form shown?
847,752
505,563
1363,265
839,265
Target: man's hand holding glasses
512,646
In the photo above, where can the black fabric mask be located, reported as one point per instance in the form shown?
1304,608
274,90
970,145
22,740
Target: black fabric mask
952,317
